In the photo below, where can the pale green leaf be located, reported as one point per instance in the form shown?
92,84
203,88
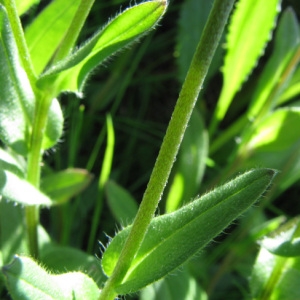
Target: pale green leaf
21,191
71,73
24,5
27,280
47,31
249,31
194,225
280,66
16,96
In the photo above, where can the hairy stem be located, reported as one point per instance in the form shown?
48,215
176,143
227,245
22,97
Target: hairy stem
172,140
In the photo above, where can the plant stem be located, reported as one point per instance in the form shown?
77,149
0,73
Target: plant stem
34,168
72,34
17,29
169,148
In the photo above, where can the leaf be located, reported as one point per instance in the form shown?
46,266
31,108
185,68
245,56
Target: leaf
60,259
45,33
280,66
179,286
122,205
277,131
249,31
274,277
16,95
285,241
173,238
64,185
10,163
193,17
190,164
27,280
25,193
71,73
24,5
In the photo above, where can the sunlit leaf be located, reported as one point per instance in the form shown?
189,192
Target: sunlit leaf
71,73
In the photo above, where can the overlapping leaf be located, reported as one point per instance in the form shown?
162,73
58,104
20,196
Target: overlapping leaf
175,237
71,73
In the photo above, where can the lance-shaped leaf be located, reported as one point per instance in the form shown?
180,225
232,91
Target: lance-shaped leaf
173,238
71,73
249,30
47,30
16,95
27,280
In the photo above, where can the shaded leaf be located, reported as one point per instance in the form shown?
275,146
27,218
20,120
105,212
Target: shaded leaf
71,73
173,238
64,185
122,205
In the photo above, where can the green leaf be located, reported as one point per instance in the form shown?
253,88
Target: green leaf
54,127
16,96
10,163
179,286
173,238
59,259
64,185
193,17
122,205
277,131
12,230
21,191
274,277
249,31
285,241
279,68
190,164
71,73
24,5
27,280
45,33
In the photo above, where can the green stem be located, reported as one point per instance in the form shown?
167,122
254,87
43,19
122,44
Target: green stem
34,168
17,29
169,148
73,32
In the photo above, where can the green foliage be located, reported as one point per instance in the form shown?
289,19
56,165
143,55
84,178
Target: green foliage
66,183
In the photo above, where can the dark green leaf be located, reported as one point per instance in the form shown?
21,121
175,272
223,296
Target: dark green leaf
121,203
173,238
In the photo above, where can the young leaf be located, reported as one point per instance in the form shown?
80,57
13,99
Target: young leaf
47,30
64,185
27,280
279,69
71,73
122,205
16,96
173,238
249,31
25,193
